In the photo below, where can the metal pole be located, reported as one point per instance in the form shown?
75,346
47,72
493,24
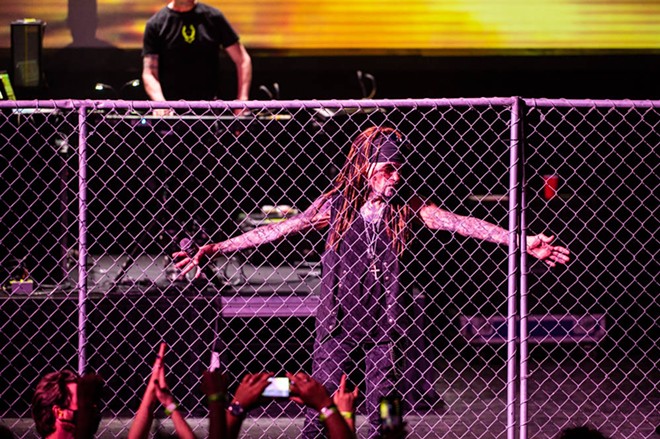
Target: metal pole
82,236
514,186
524,309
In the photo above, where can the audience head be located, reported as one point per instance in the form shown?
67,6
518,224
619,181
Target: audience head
583,432
55,403
5,432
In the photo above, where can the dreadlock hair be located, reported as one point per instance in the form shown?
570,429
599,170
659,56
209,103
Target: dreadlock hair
353,184
51,390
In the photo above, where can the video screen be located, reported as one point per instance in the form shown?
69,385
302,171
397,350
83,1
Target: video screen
385,25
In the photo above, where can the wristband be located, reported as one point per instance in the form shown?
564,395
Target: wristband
348,415
326,412
236,410
170,408
213,397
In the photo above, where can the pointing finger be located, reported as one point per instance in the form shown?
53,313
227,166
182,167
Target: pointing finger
342,384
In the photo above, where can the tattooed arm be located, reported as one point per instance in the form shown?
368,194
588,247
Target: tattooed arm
538,246
440,219
150,78
151,83
316,216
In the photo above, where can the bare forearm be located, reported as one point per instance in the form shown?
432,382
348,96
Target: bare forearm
316,216
338,428
217,420
254,238
233,426
244,74
150,78
152,87
439,219
480,229
183,430
243,63
143,419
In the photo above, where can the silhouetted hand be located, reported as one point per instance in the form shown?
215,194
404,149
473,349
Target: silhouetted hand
248,393
345,401
308,391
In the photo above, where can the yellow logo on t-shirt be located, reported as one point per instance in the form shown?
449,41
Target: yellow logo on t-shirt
188,33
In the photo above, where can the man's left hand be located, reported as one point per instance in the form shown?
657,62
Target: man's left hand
540,247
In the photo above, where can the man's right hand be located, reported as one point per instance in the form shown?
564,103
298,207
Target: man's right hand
345,401
188,263
310,392
160,112
248,393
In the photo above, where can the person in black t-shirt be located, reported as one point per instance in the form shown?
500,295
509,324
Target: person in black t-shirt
181,53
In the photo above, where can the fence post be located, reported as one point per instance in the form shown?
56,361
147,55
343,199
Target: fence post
514,207
82,236
524,308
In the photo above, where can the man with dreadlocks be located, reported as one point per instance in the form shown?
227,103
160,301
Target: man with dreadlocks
362,301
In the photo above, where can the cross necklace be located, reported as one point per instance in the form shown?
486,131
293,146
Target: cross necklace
372,248
372,217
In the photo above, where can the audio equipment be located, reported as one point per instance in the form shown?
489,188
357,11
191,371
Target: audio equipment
26,47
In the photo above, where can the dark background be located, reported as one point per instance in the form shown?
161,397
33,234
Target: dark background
72,73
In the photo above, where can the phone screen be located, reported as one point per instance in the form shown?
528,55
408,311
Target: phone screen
278,388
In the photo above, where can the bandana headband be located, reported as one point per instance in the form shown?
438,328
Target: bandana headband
387,149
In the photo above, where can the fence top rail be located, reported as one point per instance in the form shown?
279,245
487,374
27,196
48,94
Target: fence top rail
287,104
601,103
333,103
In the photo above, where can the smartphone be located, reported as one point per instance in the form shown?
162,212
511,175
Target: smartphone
391,418
278,388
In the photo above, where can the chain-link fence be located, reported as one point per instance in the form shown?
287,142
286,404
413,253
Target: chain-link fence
98,195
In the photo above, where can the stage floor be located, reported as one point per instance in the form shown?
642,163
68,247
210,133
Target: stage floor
569,384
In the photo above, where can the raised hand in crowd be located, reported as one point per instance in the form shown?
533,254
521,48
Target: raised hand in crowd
345,402
157,390
310,392
214,386
246,397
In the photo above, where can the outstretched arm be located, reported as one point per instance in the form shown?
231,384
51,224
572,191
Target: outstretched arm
316,216
440,219
538,246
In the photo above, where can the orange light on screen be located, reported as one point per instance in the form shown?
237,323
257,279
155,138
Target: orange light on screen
385,24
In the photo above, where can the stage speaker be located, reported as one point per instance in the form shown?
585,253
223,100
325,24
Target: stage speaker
26,46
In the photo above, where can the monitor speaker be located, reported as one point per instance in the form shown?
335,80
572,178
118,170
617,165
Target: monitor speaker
26,45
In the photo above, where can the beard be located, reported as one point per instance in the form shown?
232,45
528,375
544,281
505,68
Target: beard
390,192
